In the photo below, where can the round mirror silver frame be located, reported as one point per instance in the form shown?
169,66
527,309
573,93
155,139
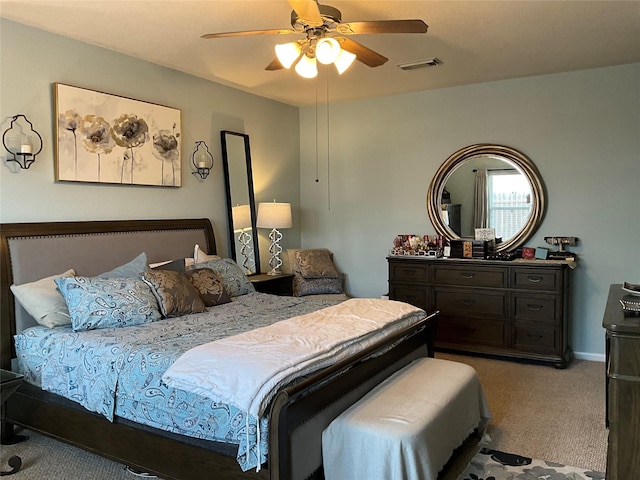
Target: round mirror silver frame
519,161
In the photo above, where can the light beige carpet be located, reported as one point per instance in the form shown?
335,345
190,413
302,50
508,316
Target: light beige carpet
538,411
542,412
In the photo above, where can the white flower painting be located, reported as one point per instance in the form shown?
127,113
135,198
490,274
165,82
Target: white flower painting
106,138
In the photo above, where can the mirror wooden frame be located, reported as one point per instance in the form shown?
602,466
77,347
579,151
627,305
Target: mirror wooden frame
224,134
520,161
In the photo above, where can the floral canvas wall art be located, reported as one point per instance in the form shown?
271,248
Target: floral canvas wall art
106,138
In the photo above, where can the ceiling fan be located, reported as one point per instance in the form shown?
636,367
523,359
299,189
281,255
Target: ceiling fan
326,38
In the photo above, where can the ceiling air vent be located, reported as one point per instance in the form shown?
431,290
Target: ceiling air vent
430,62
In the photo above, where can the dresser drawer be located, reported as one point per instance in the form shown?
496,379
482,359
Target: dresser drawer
455,330
472,276
537,279
416,296
467,303
408,272
534,338
538,307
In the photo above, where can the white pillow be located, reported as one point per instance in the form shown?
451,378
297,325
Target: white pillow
200,257
42,300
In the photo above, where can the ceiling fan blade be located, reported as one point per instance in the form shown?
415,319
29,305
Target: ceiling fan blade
247,33
383,26
362,53
308,11
274,65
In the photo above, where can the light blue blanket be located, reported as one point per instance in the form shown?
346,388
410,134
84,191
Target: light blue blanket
118,371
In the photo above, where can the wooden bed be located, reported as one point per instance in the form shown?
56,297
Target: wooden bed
298,414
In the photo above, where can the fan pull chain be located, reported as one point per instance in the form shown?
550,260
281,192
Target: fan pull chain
317,154
328,156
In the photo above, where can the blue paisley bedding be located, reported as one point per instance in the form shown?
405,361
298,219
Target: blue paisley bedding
118,371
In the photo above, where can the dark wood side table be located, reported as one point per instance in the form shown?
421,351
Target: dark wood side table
623,388
9,383
275,284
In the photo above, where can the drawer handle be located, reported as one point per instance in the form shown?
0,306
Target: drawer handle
468,274
468,302
410,297
534,278
410,271
534,337
534,307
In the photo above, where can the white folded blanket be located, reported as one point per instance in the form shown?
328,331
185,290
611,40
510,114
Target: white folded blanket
246,369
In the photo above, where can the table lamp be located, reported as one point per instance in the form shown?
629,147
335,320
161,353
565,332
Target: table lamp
274,216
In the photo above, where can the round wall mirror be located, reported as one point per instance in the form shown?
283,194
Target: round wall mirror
487,186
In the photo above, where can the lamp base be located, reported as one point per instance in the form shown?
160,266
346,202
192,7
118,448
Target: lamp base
275,250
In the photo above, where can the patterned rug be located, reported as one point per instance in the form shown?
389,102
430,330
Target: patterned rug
494,465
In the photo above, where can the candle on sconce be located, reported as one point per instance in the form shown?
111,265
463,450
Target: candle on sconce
202,164
25,148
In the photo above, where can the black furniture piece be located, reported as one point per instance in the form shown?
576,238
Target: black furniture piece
274,284
623,387
516,309
9,383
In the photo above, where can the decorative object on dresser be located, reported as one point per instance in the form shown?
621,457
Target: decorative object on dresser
105,138
274,216
623,386
516,309
20,143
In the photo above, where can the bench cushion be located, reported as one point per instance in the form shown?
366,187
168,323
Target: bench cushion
408,426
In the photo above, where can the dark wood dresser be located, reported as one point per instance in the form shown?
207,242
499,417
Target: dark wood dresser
515,309
623,388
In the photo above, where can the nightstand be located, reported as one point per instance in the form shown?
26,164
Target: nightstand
274,284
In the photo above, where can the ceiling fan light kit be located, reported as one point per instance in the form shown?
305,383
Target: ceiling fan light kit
307,67
326,39
327,50
288,53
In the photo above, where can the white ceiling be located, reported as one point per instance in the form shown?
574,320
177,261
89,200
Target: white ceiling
477,41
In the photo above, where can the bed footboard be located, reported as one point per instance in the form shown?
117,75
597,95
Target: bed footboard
301,412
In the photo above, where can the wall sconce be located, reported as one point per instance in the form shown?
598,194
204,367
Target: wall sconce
274,215
201,160
22,146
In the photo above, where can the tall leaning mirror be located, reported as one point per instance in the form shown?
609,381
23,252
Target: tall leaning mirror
241,204
487,186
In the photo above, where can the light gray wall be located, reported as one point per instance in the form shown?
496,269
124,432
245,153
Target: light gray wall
32,60
581,129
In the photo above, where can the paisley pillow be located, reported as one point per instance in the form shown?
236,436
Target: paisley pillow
174,292
233,278
209,285
95,302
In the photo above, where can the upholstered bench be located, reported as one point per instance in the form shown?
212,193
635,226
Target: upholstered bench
408,426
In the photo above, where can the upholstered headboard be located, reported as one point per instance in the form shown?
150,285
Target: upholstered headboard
31,251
